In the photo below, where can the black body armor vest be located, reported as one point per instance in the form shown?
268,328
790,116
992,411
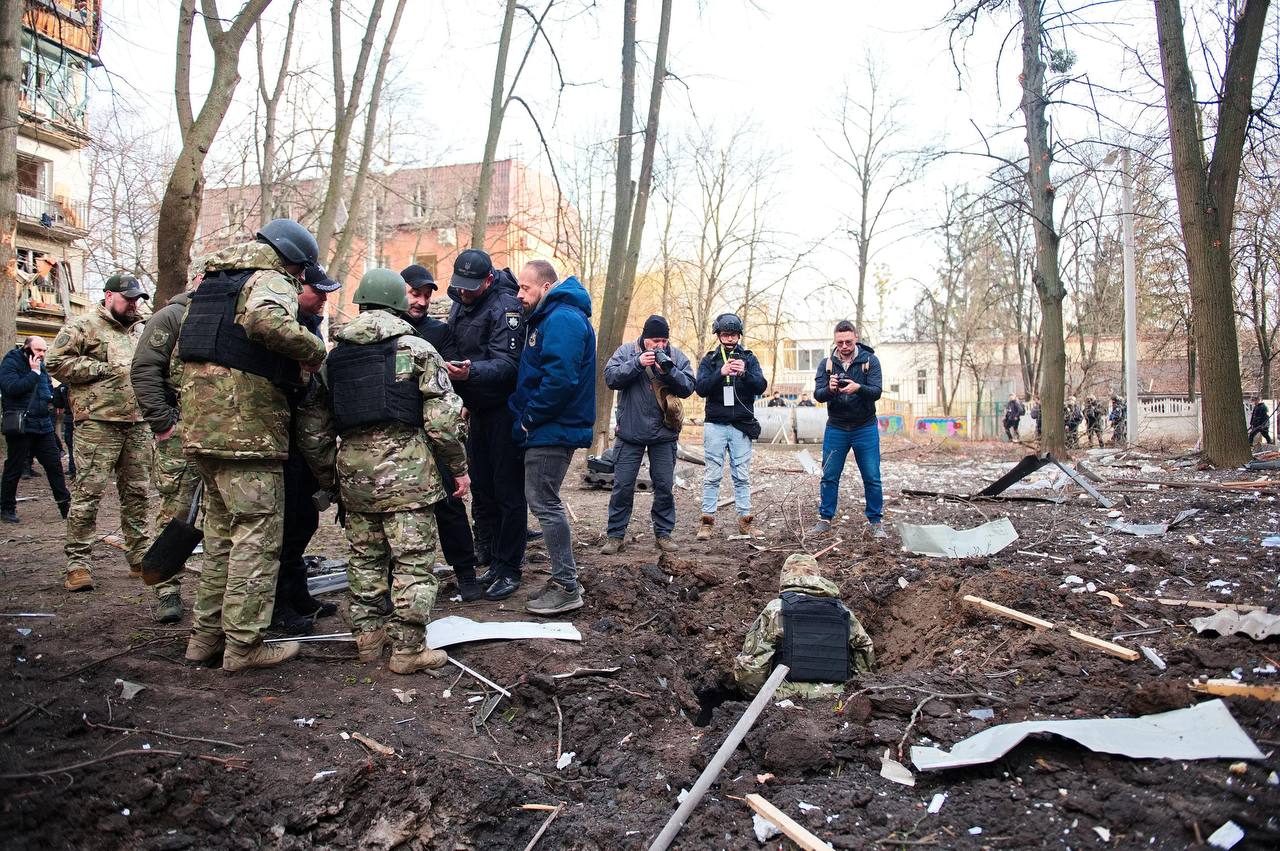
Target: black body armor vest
210,333
364,390
815,639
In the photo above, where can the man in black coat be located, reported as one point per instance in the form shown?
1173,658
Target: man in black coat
1259,421
28,433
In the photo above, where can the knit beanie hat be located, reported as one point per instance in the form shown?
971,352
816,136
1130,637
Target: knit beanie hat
655,327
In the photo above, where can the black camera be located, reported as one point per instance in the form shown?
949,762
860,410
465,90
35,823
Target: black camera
662,360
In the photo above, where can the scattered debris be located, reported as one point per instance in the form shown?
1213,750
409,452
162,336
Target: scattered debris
891,769
1031,620
1257,625
1226,836
935,805
481,677
1103,833
764,829
1153,657
789,826
452,630
405,695
565,760
329,636
304,722
320,775
1210,604
983,714
943,541
1149,530
28,615
326,583
128,690
1204,731
1231,688
373,744
807,463
24,631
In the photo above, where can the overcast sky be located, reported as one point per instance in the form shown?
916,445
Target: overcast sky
778,65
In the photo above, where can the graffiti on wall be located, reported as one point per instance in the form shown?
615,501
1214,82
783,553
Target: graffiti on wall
892,424
942,426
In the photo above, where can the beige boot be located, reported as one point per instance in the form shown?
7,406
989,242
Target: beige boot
666,545
410,661
204,648
259,656
704,531
369,645
744,525
78,579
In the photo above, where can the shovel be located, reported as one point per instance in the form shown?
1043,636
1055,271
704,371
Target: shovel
170,551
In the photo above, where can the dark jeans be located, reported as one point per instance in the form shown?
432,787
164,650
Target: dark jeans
301,518
20,449
544,470
497,489
865,443
1011,430
626,466
455,530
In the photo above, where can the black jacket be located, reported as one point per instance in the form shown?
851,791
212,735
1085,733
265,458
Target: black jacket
746,388
1257,417
850,410
24,390
490,334
437,333
1013,413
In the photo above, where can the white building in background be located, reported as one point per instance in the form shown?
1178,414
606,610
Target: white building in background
60,40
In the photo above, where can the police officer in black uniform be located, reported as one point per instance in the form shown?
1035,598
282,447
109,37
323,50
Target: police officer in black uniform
488,330
451,513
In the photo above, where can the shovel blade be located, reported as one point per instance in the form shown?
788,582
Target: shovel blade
170,551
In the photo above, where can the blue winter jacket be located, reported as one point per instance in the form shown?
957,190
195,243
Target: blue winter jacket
24,390
555,399
850,410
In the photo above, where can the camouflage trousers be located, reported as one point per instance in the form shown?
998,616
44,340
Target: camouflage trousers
103,449
243,527
174,476
405,544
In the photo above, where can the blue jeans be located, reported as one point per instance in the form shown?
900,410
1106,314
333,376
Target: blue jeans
626,467
717,438
544,471
865,443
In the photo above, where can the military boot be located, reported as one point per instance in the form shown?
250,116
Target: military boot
259,656
369,645
202,649
287,621
168,609
411,661
613,546
744,525
708,524
666,545
78,579
64,508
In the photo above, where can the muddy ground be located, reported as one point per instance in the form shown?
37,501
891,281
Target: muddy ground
239,771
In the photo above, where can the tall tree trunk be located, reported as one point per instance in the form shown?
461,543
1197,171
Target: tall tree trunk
271,106
497,108
183,194
1045,276
10,69
1206,208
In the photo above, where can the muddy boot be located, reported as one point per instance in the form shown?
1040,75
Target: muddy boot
822,527
285,620
369,645
135,572
468,587
259,656
168,609
202,649
744,525
291,589
665,544
78,579
877,531
612,547
411,661
708,524
554,599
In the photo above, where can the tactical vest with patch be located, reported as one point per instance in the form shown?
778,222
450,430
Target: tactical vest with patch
364,390
815,639
211,334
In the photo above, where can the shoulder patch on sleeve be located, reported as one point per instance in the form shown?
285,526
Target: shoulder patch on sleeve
513,319
159,338
441,381
62,339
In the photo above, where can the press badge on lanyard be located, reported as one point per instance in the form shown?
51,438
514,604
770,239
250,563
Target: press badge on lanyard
728,396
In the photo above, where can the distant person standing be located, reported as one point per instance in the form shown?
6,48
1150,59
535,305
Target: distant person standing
1013,418
28,425
1259,421
1072,416
1119,421
776,400
651,376
1037,415
849,382
1093,421
805,401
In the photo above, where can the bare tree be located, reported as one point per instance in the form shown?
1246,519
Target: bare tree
1206,202
270,107
1257,262
10,71
127,169
180,207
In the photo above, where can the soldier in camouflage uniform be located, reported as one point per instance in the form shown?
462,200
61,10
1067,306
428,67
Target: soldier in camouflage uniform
92,355
387,394
242,351
827,643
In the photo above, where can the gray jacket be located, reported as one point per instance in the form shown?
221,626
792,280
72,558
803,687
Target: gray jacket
639,417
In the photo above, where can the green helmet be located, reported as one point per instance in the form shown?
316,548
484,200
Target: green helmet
382,288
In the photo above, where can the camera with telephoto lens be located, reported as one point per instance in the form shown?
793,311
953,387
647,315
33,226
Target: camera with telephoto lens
662,360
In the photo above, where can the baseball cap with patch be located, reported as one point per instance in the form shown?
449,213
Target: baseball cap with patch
317,277
418,277
471,270
126,285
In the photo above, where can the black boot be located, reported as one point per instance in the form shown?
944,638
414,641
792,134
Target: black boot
64,507
470,589
285,618
293,578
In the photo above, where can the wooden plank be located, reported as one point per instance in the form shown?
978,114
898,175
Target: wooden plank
1105,646
1231,688
1210,604
793,829
1022,617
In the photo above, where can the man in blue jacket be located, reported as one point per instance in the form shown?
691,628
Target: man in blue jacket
849,383
554,409
27,390
651,376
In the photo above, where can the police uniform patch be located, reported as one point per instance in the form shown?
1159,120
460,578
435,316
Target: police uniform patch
513,320
442,379
159,338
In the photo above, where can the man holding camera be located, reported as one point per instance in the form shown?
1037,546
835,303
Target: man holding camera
849,383
651,377
730,379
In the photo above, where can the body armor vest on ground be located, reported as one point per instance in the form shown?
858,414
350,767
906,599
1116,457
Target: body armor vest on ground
210,333
815,639
364,389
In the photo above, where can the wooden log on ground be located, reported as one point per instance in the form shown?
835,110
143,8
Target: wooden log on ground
1231,688
1105,646
1211,604
1005,611
789,826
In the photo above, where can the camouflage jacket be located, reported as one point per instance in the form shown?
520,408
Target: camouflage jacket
753,665
387,467
157,375
237,415
92,356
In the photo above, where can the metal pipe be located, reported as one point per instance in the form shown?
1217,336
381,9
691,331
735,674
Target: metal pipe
1132,405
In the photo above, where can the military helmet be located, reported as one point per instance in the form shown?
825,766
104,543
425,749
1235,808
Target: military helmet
292,241
382,288
727,323
796,566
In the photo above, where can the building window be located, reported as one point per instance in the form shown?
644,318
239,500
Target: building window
237,214
922,382
893,388
418,207
52,82
33,176
426,261
802,357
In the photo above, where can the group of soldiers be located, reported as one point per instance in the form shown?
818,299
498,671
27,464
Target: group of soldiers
1093,415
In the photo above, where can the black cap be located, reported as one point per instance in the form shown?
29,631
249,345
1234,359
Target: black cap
126,285
418,277
317,277
472,268
655,328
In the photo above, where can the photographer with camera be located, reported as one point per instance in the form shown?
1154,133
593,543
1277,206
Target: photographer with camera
651,377
849,383
28,425
730,379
